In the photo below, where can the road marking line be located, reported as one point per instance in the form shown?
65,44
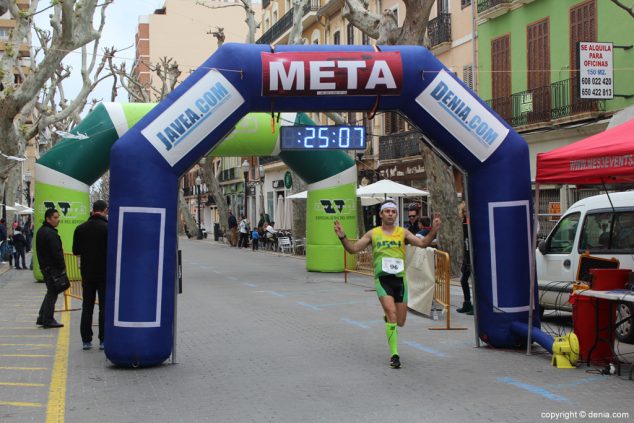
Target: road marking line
426,349
21,404
356,323
27,345
19,327
26,336
22,368
26,355
57,392
538,390
29,385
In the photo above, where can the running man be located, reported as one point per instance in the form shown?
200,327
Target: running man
388,252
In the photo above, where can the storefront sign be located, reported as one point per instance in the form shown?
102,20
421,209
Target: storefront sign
595,70
554,209
288,180
403,171
278,183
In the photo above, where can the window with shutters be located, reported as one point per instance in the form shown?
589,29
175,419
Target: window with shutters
350,33
538,52
583,27
501,76
467,75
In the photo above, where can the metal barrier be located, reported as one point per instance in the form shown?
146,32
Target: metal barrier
442,293
74,276
360,263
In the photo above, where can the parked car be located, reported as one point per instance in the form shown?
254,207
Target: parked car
604,227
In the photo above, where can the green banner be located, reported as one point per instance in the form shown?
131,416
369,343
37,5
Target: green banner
324,252
73,207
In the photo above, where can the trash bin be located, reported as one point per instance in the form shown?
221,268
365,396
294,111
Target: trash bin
585,318
216,231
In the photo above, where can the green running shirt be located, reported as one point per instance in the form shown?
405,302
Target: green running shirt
390,247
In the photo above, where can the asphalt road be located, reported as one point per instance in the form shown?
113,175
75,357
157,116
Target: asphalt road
259,339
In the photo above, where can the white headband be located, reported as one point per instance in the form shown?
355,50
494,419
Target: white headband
388,205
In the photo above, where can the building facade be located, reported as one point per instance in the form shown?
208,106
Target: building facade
528,70
182,30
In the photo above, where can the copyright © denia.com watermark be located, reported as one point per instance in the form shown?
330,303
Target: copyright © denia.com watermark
584,414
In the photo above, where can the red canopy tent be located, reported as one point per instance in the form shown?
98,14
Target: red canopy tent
604,158
607,157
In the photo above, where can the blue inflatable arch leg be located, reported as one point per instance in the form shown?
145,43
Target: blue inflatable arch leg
239,79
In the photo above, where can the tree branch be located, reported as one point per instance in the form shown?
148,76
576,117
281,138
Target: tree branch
629,10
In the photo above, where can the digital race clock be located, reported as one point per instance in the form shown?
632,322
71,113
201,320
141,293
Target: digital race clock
322,138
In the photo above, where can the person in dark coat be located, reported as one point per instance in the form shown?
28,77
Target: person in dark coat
50,255
233,230
90,242
19,244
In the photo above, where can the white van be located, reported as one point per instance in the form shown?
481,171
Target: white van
602,226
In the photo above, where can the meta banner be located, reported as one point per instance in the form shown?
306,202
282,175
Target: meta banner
182,126
458,111
332,73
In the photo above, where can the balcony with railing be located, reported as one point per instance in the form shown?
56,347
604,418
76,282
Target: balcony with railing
439,30
399,145
285,23
558,100
489,9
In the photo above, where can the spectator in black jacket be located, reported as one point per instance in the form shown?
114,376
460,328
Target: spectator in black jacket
51,257
19,243
90,242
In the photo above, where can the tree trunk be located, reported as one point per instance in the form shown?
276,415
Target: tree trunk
440,183
213,187
190,223
299,208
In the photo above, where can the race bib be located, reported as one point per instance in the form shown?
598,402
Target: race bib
392,265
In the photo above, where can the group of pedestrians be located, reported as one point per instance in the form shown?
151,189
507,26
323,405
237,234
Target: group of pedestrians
240,234
15,243
90,243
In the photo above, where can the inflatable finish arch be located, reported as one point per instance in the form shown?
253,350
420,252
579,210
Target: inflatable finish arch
239,79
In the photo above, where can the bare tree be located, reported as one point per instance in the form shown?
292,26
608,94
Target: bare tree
628,9
440,180
252,24
31,95
208,172
163,80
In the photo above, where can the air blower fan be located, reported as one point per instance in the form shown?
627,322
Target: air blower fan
565,351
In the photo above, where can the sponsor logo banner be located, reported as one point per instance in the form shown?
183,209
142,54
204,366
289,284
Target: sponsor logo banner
462,115
332,73
199,111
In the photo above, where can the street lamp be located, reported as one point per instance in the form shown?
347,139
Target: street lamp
198,184
27,193
245,171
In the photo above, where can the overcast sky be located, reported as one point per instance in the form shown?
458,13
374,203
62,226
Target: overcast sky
122,18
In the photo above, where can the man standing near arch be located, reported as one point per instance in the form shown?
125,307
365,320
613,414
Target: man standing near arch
388,252
90,242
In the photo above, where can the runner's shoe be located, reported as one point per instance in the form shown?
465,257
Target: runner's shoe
395,361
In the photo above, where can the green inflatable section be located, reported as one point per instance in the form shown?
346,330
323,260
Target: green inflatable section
65,173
